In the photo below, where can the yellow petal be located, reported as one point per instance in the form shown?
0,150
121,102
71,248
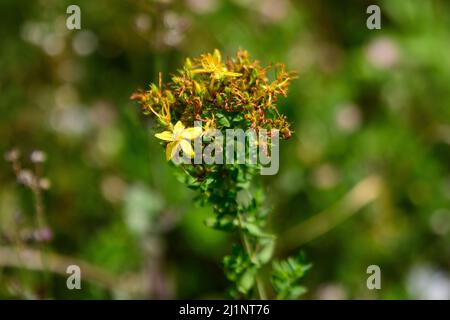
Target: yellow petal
178,128
200,71
191,133
187,148
165,135
217,57
171,149
232,74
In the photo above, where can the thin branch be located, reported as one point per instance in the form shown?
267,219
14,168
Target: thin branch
31,259
364,193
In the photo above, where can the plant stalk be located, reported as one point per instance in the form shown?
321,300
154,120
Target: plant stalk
259,282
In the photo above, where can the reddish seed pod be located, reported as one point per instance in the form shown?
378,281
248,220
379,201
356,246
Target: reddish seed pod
286,133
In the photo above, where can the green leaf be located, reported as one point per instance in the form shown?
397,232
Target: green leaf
265,254
297,291
286,274
247,280
256,231
222,120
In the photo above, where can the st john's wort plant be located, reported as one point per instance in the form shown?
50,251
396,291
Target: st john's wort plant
206,100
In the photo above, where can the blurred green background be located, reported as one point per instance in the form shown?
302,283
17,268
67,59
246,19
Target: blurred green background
365,180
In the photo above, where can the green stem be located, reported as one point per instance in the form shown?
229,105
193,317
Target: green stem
248,249
41,223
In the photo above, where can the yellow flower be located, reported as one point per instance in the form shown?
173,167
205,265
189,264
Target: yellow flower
179,137
212,63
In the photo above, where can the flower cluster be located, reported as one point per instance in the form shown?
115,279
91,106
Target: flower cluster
233,94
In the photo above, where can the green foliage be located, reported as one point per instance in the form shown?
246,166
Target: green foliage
286,276
240,269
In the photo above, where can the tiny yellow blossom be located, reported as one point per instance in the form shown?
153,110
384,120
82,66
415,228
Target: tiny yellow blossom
179,137
212,63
